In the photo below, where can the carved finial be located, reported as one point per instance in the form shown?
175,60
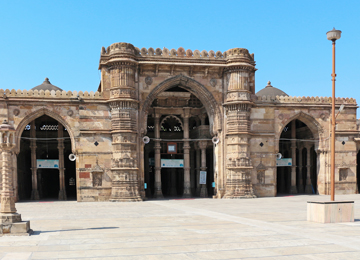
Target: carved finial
47,80
269,85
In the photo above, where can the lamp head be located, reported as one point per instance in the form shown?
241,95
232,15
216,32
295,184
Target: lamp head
333,35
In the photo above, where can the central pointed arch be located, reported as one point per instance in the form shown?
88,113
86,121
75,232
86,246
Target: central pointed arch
194,87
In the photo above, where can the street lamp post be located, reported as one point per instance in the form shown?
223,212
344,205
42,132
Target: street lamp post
333,35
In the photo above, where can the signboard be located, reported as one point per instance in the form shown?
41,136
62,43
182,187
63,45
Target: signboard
202,179
47,164
151,161
172,148
284,162
172,163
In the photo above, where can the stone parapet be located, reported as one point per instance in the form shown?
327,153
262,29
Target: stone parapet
302,100
133,54
49,94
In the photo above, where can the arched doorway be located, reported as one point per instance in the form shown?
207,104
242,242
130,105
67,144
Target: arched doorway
44,170
178,161
297,143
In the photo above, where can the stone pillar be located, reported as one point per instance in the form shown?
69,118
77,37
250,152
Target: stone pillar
202,119
141,176
282,179
124,124
203,189
293,189
147,175
10,220
300,166
34,177
62,191
173,190
239,84
15,180
308,187
7,195
192,171
158,189
198,165
187,191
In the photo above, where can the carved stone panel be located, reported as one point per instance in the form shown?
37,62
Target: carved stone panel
97,179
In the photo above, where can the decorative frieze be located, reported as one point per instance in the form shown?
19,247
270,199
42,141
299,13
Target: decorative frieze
123,93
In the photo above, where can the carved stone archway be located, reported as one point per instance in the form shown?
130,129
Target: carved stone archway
38,113
194,87
314,126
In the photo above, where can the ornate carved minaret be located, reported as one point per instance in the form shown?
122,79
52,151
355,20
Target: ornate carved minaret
118,77
239,81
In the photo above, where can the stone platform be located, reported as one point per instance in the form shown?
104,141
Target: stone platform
262,228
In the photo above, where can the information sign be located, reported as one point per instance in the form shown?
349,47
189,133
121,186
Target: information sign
151,161
284,162
47,164
172,163
202,177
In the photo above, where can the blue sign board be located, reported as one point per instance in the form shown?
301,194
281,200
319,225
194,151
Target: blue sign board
47,164
284,162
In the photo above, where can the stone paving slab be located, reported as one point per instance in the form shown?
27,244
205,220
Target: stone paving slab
263,228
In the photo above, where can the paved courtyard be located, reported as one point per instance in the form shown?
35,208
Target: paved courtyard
264,228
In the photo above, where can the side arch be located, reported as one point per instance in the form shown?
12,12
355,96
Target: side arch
314,126
38,113
194,87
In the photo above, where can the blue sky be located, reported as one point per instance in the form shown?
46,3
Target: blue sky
62,40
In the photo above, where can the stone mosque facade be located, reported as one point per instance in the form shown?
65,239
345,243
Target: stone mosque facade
175,124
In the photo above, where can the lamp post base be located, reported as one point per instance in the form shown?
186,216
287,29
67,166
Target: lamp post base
330,211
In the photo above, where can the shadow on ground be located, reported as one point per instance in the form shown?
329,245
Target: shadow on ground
50,231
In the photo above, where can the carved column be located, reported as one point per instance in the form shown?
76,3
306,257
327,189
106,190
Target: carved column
187,191
308,187
124,117
192,171
7,195
282,180
147,175
34,178
300,166
293,189
62,192
198,165
202,146
239,81
173,175
158,189
10,221
15,180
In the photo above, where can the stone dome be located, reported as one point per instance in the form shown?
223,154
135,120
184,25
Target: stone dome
270,91
46,85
